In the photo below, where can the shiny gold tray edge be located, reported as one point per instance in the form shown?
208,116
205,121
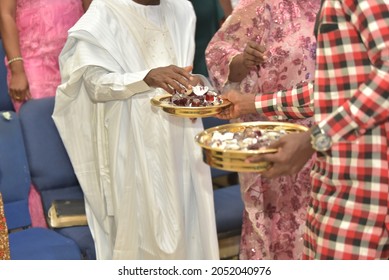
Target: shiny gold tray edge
187,111
235,160
295,127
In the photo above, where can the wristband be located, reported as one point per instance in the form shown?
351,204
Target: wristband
18,58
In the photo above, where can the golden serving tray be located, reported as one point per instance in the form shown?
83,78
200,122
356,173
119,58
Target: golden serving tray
189,112
234,160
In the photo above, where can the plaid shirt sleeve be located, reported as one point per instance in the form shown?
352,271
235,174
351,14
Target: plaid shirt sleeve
369,105
296,103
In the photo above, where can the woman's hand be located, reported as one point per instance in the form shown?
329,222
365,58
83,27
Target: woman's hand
18,87
253,55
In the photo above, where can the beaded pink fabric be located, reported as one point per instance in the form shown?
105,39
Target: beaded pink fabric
275,210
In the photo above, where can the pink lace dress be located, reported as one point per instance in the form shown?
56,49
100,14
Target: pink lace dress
275,210
42,27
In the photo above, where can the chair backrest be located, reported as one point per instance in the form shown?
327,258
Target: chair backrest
14,169
25,242
50,167
5,100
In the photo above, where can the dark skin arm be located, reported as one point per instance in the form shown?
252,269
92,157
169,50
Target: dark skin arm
252,56
18,87
86,4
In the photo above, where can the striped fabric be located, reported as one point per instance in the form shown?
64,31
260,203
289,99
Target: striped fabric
349,213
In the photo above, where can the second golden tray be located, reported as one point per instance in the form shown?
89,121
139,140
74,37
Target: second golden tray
189,112
235,159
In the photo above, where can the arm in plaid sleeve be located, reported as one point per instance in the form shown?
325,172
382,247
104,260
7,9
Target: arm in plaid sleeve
296,103
369,105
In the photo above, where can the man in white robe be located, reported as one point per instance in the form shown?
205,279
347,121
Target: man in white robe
148,193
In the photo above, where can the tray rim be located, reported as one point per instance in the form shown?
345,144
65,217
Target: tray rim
298,127
192,111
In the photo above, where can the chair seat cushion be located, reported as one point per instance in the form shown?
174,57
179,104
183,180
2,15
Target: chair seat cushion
42,244
83,237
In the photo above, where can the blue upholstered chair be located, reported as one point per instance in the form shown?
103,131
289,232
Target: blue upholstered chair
228,211
50,167
5,100
26,243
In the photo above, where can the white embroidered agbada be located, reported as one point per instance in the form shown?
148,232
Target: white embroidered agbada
148,193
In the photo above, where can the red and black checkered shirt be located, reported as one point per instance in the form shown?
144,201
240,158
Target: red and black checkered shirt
349,214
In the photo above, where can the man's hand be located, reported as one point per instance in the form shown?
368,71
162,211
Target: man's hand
241,104
171,78
294,150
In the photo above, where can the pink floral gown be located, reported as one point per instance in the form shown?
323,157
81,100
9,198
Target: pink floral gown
275,210
43,27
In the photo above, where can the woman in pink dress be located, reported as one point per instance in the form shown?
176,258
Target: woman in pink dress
275,210
33,34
